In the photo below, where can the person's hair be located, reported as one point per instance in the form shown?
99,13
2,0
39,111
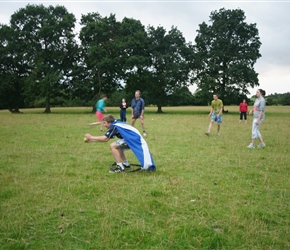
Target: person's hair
263,92
216,94
109,119
138,92
103,95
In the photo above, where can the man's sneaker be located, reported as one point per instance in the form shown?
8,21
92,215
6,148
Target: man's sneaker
117,170
207,133
251,145
218,134
144,134
261,145
126,165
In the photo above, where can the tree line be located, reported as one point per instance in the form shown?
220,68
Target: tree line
45,64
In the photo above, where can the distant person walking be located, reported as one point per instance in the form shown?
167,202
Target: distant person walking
259,116
243,110
123,110
215,113
138,107
101,109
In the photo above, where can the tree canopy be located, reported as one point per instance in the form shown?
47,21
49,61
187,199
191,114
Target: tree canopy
43,64
227,51
40,44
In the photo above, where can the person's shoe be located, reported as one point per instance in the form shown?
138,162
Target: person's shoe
218,134
126,165
261,145
251,145
144,134
117,170
207,133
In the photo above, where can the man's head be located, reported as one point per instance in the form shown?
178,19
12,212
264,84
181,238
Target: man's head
137,94
215,97
108,119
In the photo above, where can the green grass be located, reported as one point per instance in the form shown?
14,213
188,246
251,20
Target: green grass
207,193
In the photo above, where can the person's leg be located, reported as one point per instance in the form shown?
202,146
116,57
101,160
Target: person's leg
118,149
209,127
121,115
117,153
100,117
259,136
219,122
254,133
133,121
241,116
142,124
125,118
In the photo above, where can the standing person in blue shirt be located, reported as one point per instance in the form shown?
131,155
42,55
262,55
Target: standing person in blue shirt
259,116
100,110
138,107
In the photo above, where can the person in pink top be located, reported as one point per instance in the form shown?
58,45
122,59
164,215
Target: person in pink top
243,110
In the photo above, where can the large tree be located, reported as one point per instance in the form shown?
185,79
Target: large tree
169,69
100,53
226,52
113,52
135,55
49,50
13,70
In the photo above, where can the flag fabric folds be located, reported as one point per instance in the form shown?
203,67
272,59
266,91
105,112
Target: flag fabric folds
137,144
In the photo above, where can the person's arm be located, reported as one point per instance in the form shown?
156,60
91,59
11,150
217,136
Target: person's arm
259,117
221,108
220,111
101,138
132,107
261,111
142,108
104,107
211,110
142,114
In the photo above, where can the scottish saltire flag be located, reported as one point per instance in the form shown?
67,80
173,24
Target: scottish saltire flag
137,144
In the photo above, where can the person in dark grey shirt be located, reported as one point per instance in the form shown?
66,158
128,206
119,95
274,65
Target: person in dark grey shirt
138,107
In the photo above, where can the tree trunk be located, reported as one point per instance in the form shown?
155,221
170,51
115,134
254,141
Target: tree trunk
47,105
159,109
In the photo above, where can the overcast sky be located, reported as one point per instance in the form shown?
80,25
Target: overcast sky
271,17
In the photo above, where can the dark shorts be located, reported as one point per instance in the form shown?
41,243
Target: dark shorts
136,116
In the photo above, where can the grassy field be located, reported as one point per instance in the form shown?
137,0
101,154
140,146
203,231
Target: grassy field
56,191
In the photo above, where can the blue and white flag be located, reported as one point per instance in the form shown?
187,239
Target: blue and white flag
137,144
